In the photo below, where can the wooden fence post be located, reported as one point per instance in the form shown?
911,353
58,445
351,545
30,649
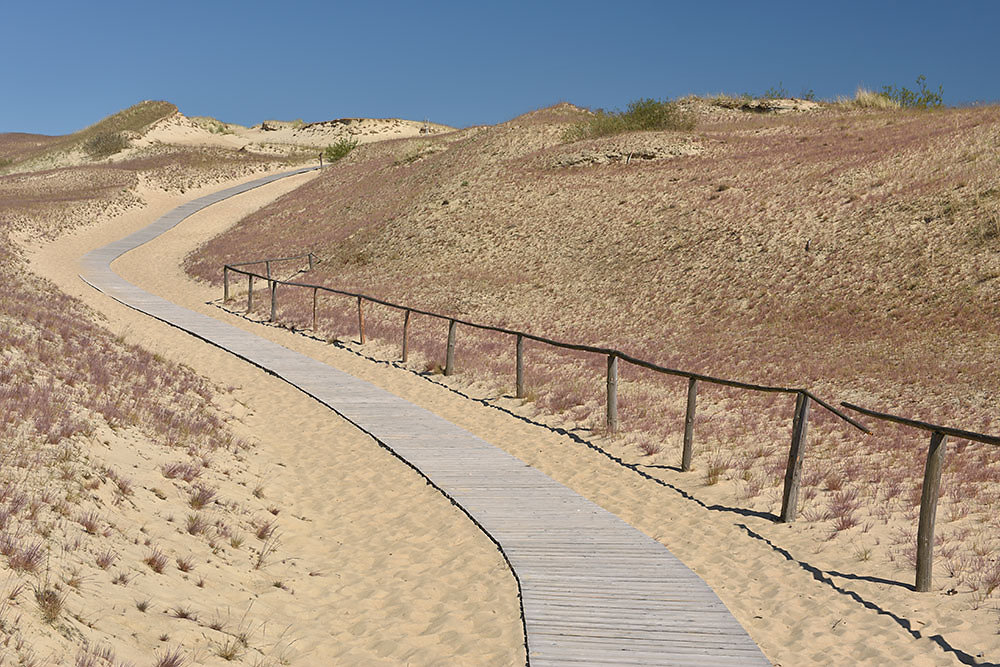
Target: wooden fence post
274,300
689,425
249,293
268,266
225,284
519,368
612,394
406,336
315,303
928,510
310,261
361,322
793,470
449,357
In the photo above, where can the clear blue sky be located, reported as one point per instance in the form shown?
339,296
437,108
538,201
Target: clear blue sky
65,65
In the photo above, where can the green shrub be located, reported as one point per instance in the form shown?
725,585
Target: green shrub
105,144
778,93
339,149
922,98
640,115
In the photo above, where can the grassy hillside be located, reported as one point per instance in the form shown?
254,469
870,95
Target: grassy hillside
852,251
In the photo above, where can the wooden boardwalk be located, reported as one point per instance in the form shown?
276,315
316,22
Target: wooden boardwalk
594,590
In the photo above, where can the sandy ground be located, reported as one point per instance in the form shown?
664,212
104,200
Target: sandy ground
375,566
797,613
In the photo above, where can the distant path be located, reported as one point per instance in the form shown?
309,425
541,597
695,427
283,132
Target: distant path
594,590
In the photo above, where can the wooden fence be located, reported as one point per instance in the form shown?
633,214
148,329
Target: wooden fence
803,397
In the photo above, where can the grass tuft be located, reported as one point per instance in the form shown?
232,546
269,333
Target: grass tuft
172,658
869,99
50,602
641,115
105,144
156,560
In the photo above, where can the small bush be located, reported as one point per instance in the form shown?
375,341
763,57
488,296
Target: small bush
776,93
105,144
50,602
922,98
641,115
340,149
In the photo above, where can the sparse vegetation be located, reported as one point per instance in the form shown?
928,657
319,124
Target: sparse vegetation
640,115
172,658
775,92
156,560
105,144
921,98
230,649
893,97
200,497
50,602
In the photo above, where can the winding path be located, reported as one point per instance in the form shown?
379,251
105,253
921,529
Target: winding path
593,589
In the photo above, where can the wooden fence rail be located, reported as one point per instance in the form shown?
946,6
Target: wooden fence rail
803,397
